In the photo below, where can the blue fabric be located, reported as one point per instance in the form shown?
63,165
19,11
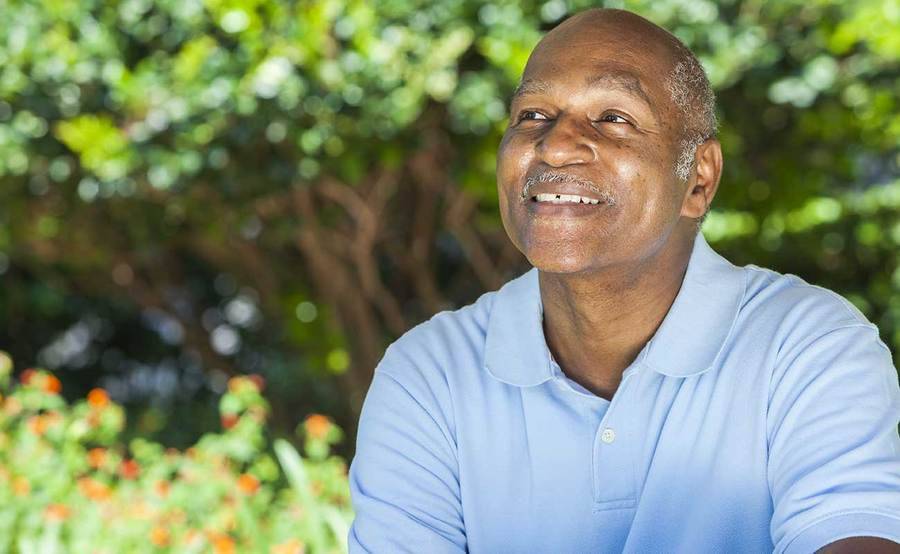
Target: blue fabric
762,416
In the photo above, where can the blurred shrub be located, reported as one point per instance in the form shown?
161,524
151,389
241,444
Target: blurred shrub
67,483
203,188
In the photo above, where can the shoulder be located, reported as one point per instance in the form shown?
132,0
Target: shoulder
788,310
448,341
810,333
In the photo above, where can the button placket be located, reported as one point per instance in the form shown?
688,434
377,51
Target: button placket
612,470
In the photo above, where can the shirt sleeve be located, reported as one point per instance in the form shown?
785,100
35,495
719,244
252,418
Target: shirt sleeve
404,483
834,450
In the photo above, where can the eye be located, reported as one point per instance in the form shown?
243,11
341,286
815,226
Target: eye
532,115
613,118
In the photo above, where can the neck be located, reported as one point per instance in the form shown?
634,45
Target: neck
597,323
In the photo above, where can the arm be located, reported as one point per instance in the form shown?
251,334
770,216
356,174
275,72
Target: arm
861,545
834,451
404,477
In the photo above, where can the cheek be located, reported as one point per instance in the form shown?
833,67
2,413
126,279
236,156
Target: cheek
513,159
505,173
645,184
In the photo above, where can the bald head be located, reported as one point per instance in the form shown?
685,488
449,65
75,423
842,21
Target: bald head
685,81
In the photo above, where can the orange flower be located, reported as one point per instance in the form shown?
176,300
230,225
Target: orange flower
37,424
222,544
98,398
12,406
162,488
159,536
248,483
52,385
21,487
57,512
129,469
236,383
317,426
93,489
96,457
292,546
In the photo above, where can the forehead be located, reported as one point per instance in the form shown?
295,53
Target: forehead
626,57
607,78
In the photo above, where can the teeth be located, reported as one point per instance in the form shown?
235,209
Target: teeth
564,198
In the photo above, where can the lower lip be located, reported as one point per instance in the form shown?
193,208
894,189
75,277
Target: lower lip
567,209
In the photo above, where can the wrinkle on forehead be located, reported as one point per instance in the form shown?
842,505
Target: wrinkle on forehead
623,81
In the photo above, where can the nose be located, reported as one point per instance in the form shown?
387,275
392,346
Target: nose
567,142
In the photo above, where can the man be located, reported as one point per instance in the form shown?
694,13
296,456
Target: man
634,391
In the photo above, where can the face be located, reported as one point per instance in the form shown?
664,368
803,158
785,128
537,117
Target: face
592,119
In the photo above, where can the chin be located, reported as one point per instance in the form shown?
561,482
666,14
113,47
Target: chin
551,260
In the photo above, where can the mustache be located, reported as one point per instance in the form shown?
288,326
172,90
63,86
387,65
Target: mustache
551,176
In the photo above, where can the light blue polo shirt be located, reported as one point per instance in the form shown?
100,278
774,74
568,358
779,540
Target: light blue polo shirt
762,416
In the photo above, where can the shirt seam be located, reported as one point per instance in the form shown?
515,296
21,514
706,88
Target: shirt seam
803,346
775,364
826,517
452,443
797,281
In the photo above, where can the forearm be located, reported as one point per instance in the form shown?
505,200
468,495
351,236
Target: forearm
861,545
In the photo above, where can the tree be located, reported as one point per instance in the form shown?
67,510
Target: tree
199,189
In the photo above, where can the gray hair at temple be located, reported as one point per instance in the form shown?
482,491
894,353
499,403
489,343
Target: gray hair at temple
695,100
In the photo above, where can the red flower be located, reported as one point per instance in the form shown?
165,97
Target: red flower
129,469
228,421
27,375
258,380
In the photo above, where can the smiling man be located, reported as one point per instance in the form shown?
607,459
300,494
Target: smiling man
634,391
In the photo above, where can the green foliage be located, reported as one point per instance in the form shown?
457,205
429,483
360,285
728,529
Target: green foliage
312,153
69,484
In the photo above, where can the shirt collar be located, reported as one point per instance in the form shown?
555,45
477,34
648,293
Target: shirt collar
688,341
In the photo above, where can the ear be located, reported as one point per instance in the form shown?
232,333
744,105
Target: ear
704,180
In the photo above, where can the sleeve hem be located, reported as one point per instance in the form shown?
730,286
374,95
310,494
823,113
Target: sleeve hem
841,526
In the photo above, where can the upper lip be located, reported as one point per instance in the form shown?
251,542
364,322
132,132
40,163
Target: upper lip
563,188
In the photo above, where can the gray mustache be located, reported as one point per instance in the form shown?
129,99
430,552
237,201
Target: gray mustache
555,177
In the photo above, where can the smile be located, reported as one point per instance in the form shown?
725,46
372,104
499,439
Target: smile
564,199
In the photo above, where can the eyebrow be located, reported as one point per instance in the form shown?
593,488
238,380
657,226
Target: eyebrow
624,82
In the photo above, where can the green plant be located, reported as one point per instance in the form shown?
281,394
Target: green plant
68,485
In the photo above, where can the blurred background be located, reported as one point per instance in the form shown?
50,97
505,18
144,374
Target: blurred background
193,190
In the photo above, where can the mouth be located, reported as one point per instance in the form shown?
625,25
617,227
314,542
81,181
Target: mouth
552,198
564,205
